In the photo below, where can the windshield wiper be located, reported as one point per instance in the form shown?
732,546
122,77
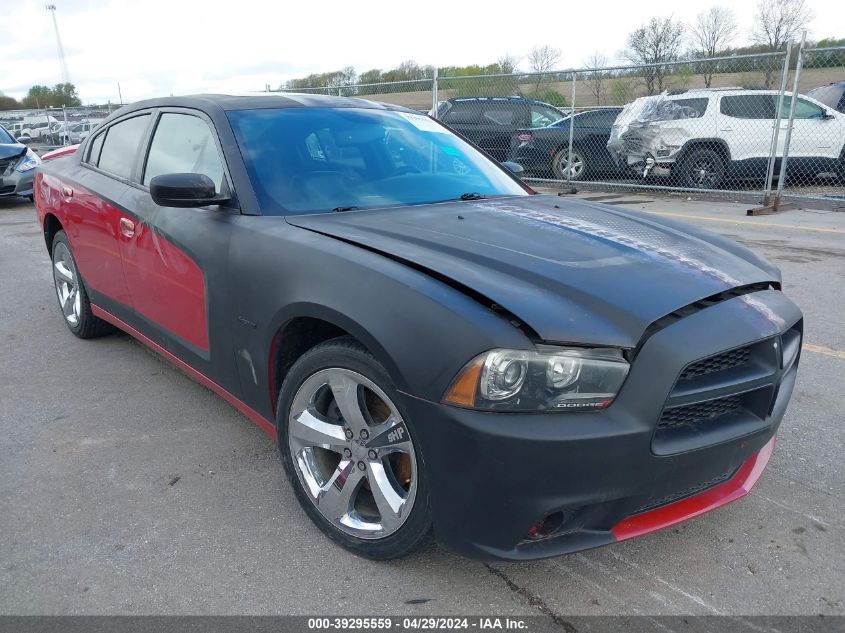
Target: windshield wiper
340,209
472,195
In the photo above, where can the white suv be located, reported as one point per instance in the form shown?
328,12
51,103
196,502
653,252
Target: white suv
704,137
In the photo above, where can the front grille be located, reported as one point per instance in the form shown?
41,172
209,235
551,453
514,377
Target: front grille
683,494
719,362
7,189
693,416
726,395
7,165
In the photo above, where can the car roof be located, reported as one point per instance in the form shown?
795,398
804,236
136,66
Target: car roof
514,98
258,101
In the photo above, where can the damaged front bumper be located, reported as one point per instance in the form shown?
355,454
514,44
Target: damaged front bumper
16,174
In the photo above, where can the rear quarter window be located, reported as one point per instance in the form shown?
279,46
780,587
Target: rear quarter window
121,145
697,107
94,150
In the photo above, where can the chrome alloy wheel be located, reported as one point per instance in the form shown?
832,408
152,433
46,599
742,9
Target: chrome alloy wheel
67,284
562,168
353,453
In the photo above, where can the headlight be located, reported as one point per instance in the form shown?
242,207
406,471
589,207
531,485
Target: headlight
546,379
30,161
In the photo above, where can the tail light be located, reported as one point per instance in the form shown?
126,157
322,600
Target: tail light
524,137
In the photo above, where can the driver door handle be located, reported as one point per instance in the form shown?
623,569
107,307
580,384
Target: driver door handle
127,227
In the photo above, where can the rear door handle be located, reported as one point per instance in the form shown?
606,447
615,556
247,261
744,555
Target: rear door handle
127,227
726,129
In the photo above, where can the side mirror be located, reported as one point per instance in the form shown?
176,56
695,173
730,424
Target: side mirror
184,191
515,168
23,139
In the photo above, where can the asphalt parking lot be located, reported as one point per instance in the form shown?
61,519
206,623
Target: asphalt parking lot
125,487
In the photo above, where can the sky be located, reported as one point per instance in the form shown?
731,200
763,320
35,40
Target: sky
163,47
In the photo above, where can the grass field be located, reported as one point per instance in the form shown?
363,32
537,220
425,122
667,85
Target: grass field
616,91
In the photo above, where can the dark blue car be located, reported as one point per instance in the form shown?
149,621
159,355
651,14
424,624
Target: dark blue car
545,150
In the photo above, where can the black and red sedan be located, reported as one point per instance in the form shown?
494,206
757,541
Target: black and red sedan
436,347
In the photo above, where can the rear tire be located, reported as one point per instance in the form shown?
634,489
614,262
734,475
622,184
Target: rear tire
71,292
560,164
701,168
349,450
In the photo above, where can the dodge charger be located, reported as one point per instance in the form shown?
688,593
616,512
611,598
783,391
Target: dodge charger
436,348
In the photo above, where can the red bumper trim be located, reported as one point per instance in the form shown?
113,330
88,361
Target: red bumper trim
263,423
734,488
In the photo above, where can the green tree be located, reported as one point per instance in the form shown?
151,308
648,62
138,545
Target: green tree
8,103
38,97
45,97
65,95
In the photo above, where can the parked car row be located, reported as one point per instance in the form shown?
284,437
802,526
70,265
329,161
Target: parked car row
46,128
700,139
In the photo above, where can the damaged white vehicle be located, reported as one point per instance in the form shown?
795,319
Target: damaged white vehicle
704,137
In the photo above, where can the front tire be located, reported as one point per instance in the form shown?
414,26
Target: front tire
70,290
701,168
349,450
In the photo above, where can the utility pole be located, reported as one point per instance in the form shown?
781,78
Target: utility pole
65,74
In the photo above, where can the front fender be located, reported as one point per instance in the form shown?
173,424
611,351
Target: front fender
420,329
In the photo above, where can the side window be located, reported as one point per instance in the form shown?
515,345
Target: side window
748,106
607,118
592,119
94,152
542,116
696,106
499,114
121,144
460,113
183,143
803,109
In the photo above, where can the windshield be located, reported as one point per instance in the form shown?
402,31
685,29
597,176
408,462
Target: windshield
5,137
313,160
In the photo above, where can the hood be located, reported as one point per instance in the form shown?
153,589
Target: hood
11,149
574,271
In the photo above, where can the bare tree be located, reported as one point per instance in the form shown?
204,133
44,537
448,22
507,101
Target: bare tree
712,33
655,43
542,59
507,63
595,78
776,23
779,21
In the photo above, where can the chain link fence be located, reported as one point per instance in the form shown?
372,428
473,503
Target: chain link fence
44,129
726,125
413,93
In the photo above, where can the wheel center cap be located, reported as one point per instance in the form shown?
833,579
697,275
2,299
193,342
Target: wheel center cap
359,449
